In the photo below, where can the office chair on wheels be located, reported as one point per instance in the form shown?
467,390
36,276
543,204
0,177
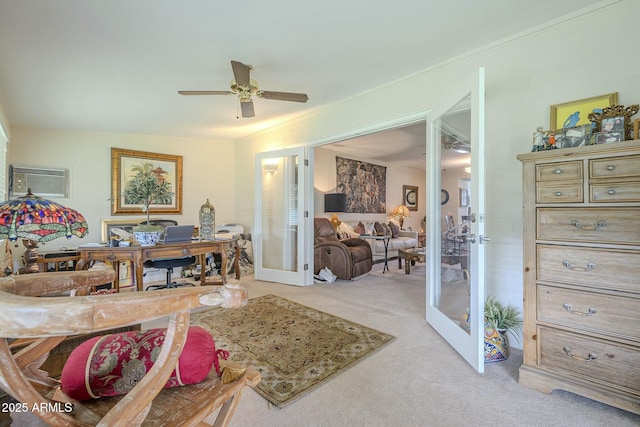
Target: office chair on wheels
168,263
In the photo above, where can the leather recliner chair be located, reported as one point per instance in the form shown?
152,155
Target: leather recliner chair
346,258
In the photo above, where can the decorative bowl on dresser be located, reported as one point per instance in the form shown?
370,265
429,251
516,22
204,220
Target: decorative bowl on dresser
582,272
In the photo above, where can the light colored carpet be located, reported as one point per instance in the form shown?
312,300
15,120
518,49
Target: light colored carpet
295,348
418,379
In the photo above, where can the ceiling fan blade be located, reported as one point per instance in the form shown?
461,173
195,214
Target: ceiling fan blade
247,109
241,73
282,96
205,92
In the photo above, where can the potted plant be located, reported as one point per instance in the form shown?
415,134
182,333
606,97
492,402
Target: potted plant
499,319
146,187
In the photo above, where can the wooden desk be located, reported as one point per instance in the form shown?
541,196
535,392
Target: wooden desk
137,255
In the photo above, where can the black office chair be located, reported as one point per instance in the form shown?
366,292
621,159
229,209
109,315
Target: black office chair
168,263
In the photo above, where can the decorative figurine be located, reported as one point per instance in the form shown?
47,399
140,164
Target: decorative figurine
207,221
552,141
538,144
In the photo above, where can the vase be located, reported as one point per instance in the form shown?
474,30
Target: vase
147,238
496,345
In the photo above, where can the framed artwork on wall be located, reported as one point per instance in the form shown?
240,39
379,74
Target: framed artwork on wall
365,185
127,164
575,113
410,197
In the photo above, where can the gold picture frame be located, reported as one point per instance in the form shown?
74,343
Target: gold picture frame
122,164
575,113
619,113
410,197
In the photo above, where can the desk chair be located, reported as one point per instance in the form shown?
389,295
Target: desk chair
168,263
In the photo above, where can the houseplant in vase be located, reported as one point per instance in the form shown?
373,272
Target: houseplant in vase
148,186
498,319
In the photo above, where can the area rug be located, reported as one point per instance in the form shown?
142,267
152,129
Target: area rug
295,348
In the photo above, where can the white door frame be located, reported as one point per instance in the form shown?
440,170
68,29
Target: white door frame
470,344
294,274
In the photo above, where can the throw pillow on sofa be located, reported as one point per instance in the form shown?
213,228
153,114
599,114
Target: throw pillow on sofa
111,365
395,229
359,228
345,231
382,229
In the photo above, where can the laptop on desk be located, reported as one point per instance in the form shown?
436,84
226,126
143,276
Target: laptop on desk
177,234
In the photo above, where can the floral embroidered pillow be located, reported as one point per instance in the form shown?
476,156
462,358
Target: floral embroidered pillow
112,365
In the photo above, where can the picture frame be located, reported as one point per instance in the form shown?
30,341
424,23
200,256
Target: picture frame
577,136
607,138
575,113
123,165
108,226
410,197
463,197
616,113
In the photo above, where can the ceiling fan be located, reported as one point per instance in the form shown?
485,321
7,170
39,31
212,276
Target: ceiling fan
450,142
245,87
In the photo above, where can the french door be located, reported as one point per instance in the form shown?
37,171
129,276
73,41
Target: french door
456,240
280,252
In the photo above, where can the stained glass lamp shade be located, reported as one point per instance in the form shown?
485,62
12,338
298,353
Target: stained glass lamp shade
35,219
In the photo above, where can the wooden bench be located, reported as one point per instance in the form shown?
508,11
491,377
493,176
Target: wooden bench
39,323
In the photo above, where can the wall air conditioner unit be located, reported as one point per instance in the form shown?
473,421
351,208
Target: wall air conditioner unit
42,182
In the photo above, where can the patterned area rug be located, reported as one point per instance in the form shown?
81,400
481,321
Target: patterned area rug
295,348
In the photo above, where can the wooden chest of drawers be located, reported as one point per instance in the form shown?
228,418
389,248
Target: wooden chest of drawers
581,224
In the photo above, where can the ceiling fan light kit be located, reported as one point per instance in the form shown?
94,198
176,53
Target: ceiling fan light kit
244,87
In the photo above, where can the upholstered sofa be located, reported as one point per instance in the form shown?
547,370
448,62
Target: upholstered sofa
346,258
400,239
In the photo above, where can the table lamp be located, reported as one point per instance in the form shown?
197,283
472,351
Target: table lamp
400,212
335,202
36,220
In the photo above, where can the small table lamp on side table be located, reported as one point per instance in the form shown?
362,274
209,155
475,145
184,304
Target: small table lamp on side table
335,202
400,212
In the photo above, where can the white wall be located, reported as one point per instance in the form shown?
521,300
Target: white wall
324,181
587,55
87,155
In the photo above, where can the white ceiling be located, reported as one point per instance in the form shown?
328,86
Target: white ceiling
116,65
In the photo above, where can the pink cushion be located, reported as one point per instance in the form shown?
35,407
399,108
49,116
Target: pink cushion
111,365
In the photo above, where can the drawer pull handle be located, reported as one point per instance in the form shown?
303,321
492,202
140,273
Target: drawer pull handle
591,311
611,192
610,167
558,171
579,226
589,266
558,193
589,358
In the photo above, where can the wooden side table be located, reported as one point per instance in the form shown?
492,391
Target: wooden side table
58,261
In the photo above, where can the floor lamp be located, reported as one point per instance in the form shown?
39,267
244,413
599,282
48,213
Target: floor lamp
333,203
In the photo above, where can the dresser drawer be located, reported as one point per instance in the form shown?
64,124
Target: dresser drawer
561,171
588,311
615,167
594,225
615,192
601,268
566,193
589,359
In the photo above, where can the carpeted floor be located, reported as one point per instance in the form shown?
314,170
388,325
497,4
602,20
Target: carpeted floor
295,348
